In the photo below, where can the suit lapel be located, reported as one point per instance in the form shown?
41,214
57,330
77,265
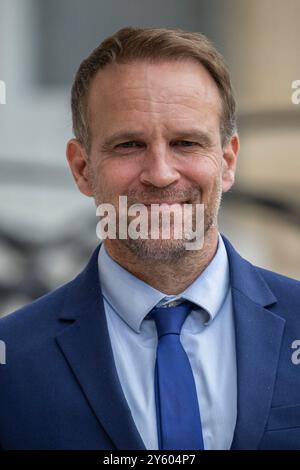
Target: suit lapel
86,347
258,341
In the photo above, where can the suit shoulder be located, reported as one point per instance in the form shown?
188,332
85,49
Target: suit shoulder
280,280
41,311
287,292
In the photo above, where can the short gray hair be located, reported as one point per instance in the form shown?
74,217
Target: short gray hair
153,44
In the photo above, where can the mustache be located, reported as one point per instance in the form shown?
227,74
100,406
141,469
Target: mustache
189,194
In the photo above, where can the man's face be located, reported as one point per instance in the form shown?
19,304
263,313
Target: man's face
155,137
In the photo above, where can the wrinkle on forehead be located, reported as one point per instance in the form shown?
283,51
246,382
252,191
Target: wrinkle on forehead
157,88
134,76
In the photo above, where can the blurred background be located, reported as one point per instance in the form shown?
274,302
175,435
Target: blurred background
47,228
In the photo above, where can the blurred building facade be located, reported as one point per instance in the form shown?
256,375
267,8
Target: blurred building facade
47,229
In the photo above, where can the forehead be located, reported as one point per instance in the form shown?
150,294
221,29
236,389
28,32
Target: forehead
156,89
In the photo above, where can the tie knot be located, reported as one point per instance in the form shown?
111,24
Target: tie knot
169,320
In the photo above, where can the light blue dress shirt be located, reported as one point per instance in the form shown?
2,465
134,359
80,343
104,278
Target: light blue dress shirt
207,336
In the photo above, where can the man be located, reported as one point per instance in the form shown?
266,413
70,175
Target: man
155,345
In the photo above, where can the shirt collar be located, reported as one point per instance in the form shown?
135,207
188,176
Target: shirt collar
132,299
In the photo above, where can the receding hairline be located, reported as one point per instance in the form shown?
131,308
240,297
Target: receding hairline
162,60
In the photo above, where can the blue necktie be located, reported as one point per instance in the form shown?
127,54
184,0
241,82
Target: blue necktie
177,410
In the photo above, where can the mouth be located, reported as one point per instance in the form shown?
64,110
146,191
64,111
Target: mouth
169,203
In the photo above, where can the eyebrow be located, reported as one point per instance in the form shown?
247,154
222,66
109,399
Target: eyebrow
122,136
192,134
204,137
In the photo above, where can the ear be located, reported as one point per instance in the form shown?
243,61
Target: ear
230,153
79,165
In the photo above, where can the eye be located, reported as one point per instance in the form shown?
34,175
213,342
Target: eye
185,143
130,144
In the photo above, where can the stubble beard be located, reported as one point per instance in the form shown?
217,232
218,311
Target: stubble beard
172,250
169,250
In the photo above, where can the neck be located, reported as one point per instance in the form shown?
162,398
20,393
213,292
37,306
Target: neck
171,277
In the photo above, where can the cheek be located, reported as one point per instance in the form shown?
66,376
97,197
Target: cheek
204,172
115,177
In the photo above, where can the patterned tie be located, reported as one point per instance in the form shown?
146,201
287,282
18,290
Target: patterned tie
177,410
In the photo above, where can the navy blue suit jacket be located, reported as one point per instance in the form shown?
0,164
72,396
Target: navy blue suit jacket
59,388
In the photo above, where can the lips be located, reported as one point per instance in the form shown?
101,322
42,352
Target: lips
164,202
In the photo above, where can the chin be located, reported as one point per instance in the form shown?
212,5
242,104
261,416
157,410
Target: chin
157,250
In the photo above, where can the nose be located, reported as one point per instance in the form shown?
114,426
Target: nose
159,168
